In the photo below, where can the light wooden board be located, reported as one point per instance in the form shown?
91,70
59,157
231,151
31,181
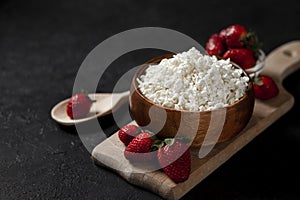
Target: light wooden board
279,63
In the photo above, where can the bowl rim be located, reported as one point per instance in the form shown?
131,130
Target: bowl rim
259,64
144,66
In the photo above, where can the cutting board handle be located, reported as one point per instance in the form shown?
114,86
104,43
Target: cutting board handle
283,61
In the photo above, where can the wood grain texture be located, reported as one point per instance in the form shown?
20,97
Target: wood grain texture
280,62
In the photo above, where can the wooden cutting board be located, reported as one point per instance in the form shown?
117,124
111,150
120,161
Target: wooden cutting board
279,63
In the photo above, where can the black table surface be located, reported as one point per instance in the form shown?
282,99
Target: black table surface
43,43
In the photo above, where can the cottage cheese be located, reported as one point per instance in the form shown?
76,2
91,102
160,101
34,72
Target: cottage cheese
193,82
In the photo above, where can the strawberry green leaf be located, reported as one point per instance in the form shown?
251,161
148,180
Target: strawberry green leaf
157,144
258,81
253,43
169,141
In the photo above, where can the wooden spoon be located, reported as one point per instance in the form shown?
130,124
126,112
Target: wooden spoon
103,105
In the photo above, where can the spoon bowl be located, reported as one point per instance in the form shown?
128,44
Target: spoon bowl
104,104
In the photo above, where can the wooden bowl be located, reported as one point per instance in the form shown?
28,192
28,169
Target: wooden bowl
229,120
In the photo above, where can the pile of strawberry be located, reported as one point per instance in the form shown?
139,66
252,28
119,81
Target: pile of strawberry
237,43
173,155
242,47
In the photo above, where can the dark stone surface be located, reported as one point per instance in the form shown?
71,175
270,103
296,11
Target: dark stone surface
42,44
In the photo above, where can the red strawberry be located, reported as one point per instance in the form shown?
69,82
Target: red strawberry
138,150
175,160
78,106
235,36
215,46
265,87
128,133
241,56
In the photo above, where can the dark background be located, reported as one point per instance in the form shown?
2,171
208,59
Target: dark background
42,44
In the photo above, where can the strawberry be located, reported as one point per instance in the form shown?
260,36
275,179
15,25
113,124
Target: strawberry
215,46
235,36
222,35
265,87
175,160
138,150
241,56
78,106
128,133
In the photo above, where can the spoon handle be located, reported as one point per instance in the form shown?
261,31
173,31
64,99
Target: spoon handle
119,99
108,103
124,94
